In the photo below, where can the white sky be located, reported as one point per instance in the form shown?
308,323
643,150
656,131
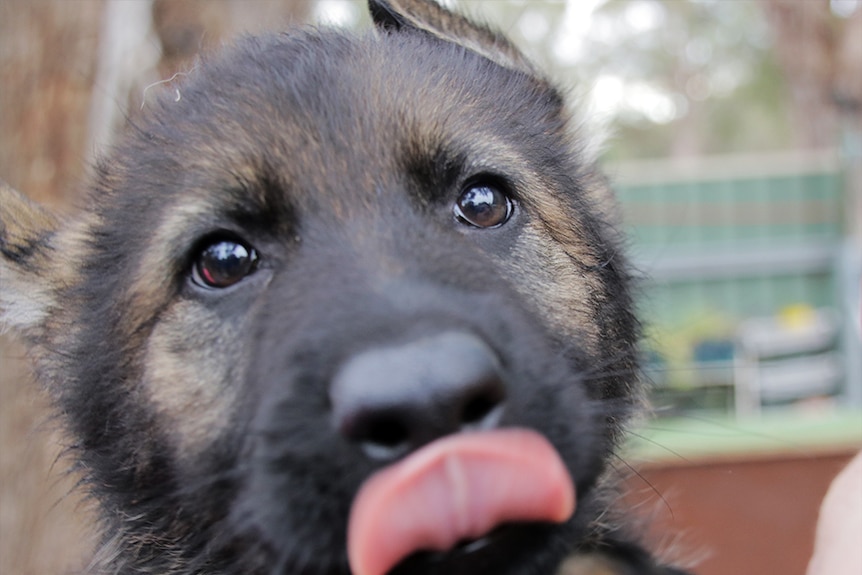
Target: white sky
577,20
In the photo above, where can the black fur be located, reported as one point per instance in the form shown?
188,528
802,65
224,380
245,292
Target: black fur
339,159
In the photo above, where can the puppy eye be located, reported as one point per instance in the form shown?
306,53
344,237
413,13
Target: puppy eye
483,205
223,263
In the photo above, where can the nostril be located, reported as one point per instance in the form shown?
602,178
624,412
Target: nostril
385,433
479,408
381,435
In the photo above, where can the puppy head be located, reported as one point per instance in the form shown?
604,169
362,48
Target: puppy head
259,257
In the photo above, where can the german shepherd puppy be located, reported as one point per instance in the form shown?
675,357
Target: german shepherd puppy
340,304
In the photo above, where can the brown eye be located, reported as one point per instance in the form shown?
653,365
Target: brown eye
223,263
483,206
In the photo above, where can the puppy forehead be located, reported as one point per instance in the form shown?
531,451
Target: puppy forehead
311,109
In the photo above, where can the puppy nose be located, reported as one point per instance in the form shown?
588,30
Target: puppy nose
391,400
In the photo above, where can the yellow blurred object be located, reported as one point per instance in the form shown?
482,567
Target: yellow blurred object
796,317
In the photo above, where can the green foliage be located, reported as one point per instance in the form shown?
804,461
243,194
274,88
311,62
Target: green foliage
687,77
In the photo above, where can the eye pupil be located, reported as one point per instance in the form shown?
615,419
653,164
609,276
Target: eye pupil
483,206
224,263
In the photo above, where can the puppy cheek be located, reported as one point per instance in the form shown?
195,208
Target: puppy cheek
538,267
194,363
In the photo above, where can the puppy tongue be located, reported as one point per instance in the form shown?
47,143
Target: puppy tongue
456,488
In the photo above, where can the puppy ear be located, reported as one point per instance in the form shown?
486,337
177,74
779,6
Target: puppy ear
430,17
26,256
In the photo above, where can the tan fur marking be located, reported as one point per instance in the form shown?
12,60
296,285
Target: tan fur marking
192,364
24,303
541,267
24,297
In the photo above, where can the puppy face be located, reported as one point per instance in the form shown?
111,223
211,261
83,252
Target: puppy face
333,269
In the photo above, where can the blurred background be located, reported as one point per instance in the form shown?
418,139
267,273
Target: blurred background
732,131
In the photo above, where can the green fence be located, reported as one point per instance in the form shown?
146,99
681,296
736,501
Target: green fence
726,239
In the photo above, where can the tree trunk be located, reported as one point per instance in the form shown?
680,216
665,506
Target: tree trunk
805,38
47,63
188,27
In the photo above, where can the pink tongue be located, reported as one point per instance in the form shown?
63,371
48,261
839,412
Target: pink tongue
456,488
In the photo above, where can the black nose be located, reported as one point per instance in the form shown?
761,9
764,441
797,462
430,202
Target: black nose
393,399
